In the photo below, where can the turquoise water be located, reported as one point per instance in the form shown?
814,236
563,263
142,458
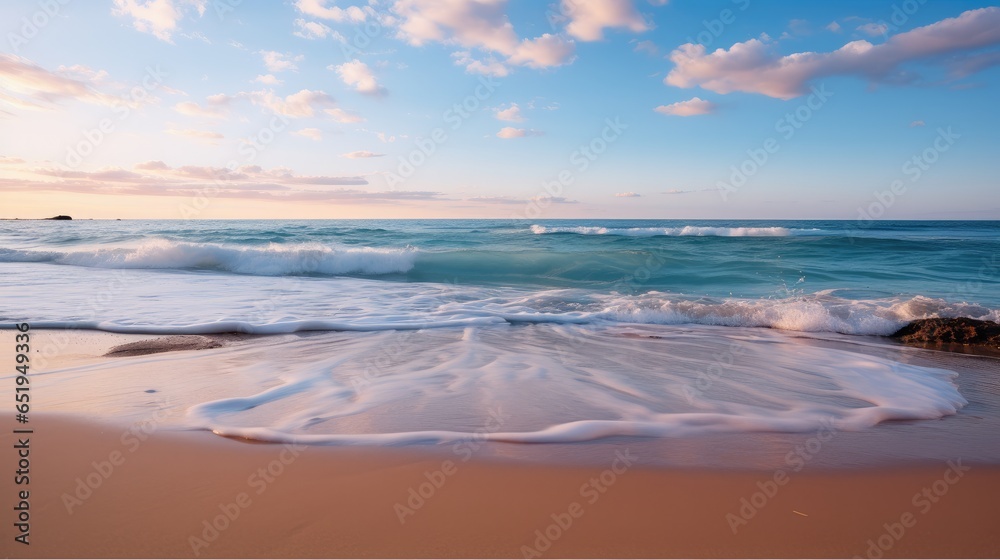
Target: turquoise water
626,270
579,330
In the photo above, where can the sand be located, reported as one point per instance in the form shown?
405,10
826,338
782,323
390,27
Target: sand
108,489
337,502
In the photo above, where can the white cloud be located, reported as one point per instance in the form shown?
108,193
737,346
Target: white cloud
589,19
509,132
488,67
834,26
629,194
26,85
481,24
311,133
301,104
158,17
206,135
754,67
215,107
917,123
510,114
361,154
544,52
358,75
873,29
342,116
279,62
319,9
689,108
268,79
312,30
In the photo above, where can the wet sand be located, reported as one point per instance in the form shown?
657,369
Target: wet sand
341,502
112,489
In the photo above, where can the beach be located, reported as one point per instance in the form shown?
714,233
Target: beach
134,482
340,503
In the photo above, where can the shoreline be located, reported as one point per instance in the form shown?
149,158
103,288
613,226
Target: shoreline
165,490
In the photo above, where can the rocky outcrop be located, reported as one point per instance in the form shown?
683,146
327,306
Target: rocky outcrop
950,331
59,217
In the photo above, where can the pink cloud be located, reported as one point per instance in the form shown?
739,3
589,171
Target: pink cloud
754,66
689,108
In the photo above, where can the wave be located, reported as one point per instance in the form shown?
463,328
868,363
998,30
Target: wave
270,260
696,231
367,308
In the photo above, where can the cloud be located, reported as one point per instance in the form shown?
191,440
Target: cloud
917,123
629,194
873,29
509,132
647,47
677,191
689,108
361,154
358,75
311,133
304,103
544,52
833,26
155,178
158,17
319,9
206,135
342,116
479,24
279,62
520,201
26,85
487,67
589,19
268,79
510,114
754,67
315,30
215,107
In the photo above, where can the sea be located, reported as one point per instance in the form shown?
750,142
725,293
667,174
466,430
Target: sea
411,331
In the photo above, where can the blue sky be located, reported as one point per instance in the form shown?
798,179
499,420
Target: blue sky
312,109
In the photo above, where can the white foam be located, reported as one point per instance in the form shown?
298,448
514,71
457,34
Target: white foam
436,390
269,260
699,231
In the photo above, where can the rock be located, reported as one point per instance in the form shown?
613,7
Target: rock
60,217
950,331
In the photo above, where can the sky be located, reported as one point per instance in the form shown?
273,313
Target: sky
673,109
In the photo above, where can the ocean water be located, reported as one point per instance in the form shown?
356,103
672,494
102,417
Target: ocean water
403,331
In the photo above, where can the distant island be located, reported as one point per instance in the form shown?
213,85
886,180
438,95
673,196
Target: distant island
59,217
